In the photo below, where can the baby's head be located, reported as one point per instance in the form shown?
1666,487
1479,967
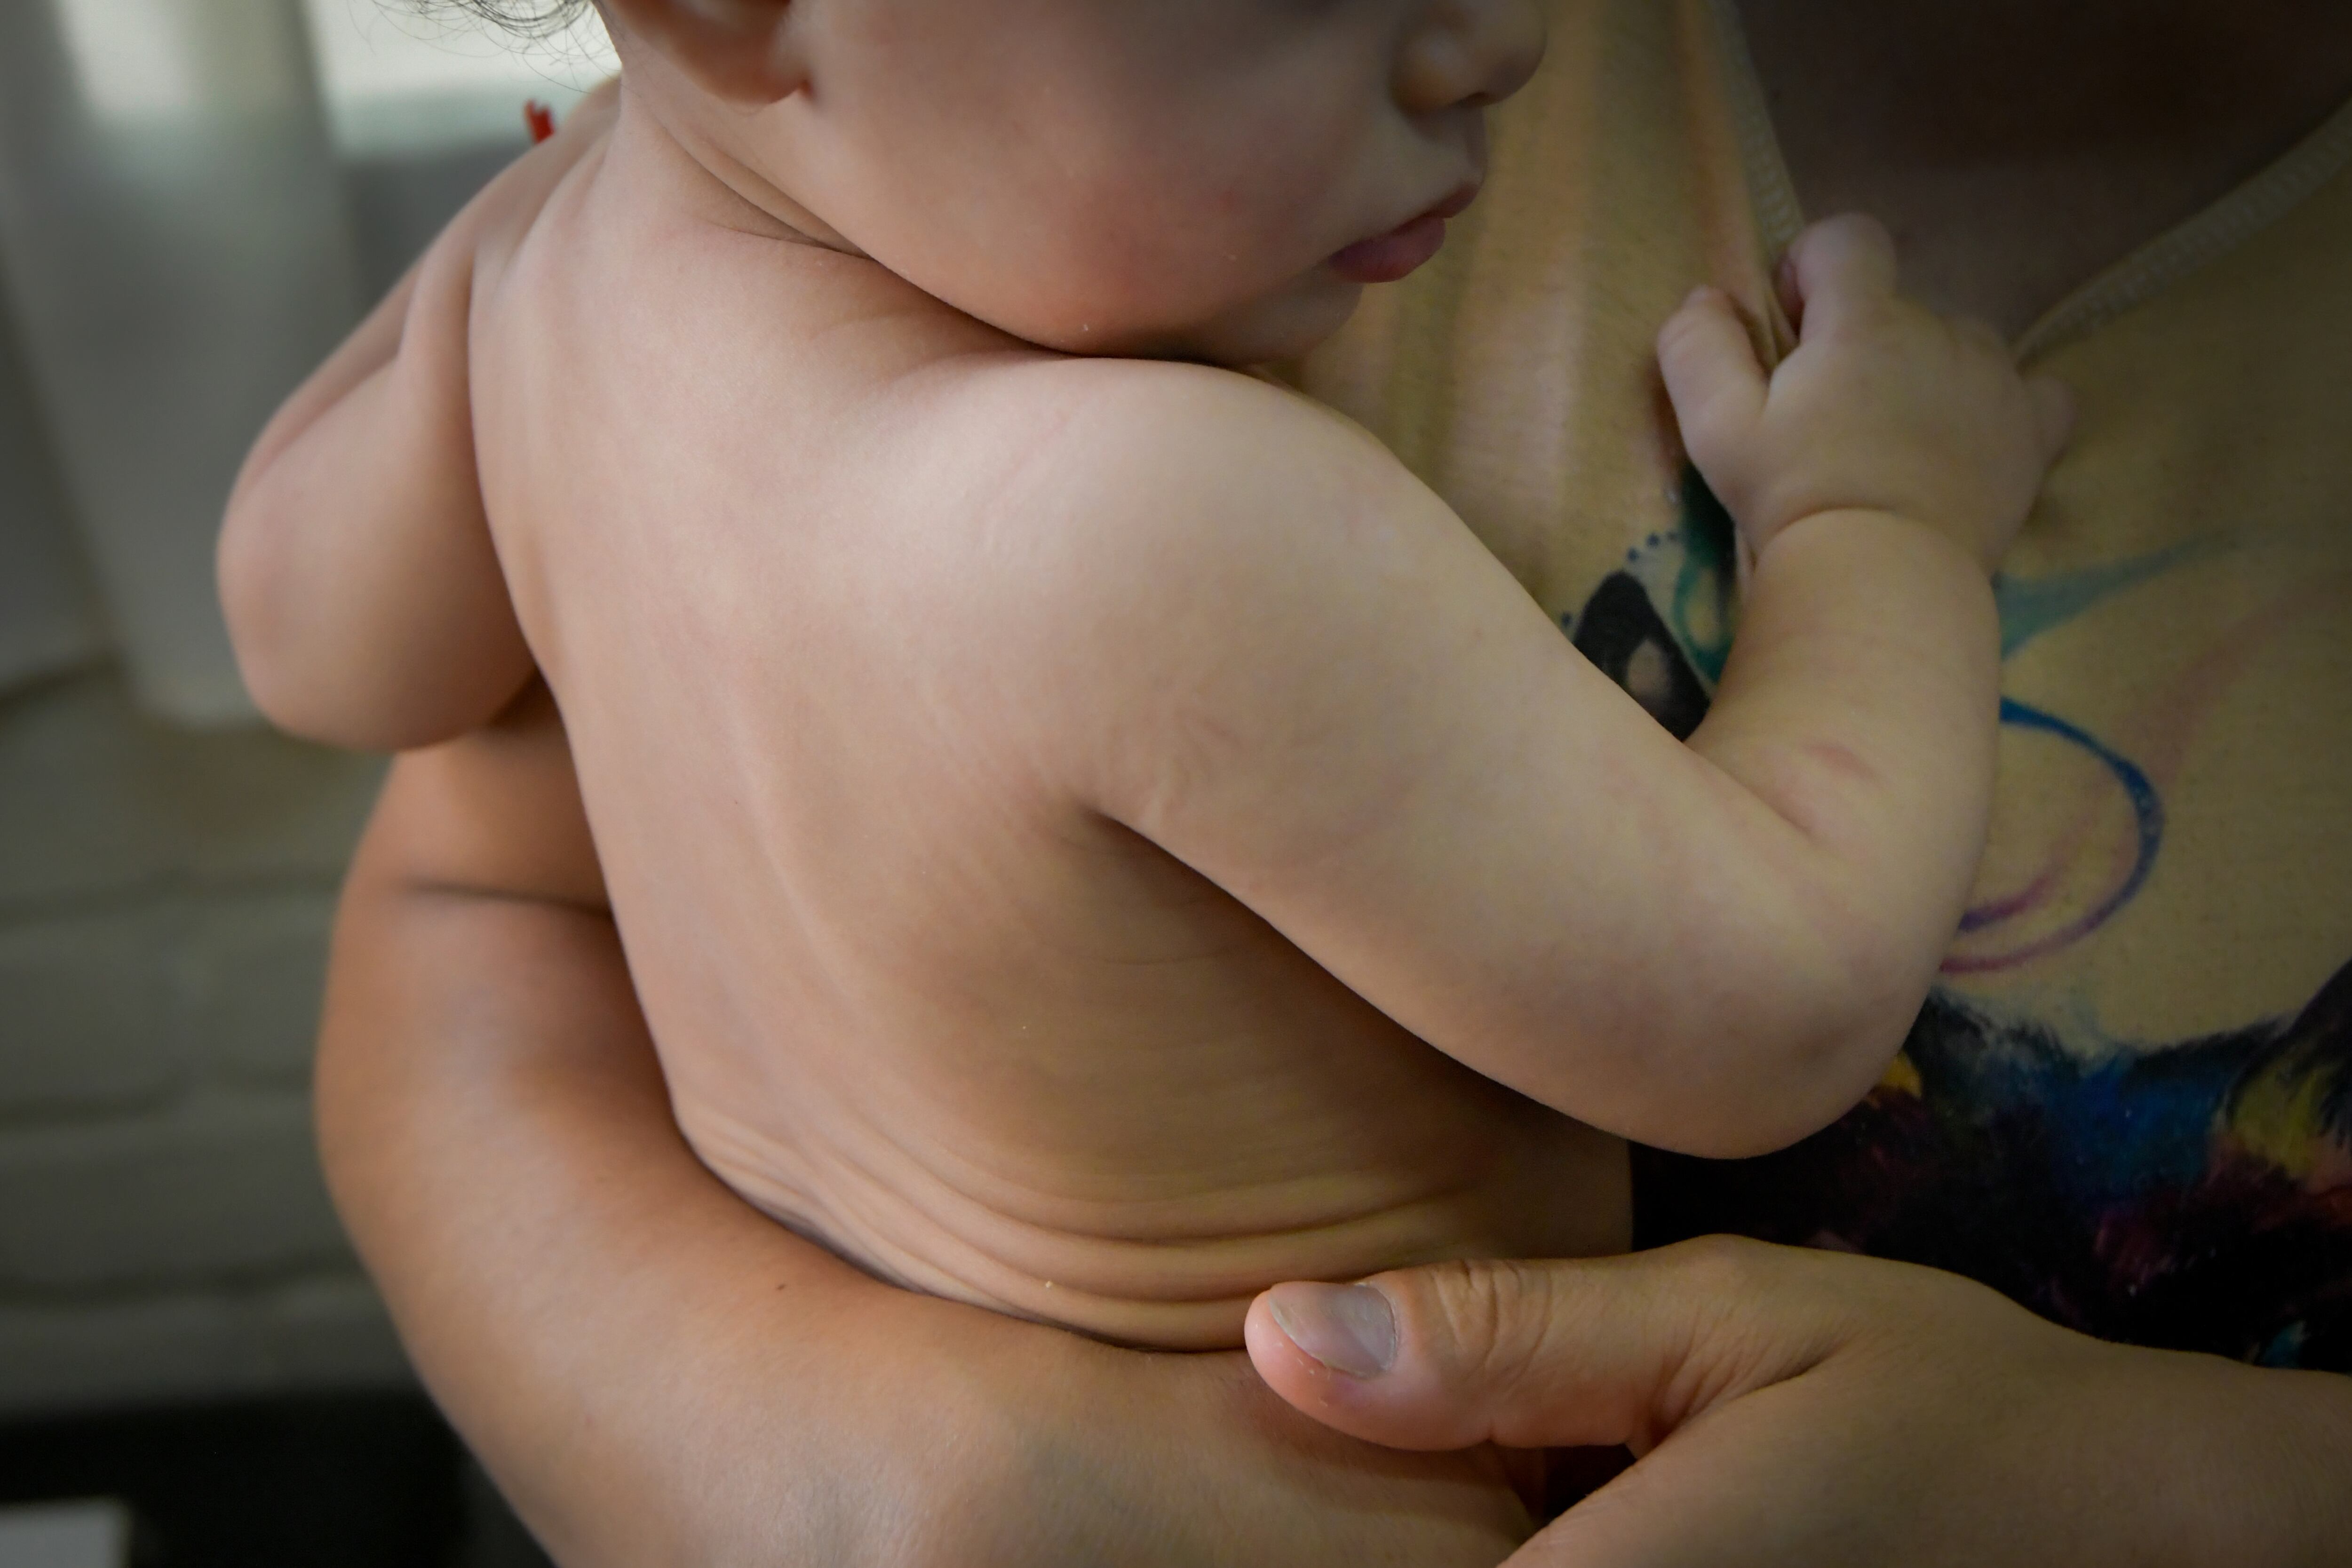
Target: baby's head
1215,179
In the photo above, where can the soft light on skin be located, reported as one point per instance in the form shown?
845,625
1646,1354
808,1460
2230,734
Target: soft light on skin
1104,177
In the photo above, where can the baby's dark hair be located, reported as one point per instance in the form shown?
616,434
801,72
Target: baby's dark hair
523,18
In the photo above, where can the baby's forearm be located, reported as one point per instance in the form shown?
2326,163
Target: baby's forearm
1861,705
356,567
1765,926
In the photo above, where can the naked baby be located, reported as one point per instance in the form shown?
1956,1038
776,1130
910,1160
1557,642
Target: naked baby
1093,835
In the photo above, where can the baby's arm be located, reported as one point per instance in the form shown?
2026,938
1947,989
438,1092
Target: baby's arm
364,594
1318,689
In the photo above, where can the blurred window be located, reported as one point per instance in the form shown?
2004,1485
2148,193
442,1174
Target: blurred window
130,56
402,78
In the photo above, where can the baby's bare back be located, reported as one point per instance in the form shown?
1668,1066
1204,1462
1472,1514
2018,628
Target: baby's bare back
911,994
1095,837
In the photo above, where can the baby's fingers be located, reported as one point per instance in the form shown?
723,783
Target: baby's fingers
2053,414
1837,265
1712,375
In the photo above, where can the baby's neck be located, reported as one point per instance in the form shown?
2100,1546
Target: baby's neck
668,146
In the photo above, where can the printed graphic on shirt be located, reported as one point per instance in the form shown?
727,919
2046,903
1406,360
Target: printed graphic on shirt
2194,1194
2197,1196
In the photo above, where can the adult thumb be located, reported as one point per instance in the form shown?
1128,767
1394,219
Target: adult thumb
1585,1353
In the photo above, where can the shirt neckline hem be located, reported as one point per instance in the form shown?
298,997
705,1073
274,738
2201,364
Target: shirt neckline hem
2189,246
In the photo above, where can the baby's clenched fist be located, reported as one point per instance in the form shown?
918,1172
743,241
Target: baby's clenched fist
1884,405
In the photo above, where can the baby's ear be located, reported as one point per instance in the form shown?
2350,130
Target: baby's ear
743,50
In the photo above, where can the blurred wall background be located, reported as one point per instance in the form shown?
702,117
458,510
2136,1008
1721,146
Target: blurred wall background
195,198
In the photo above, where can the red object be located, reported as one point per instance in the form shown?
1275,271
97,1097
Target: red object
540,119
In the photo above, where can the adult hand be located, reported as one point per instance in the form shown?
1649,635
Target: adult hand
1818,1410
658,1373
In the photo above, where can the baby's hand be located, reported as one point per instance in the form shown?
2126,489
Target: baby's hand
1883,406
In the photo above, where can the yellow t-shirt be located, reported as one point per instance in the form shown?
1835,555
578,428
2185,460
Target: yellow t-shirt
2129,1101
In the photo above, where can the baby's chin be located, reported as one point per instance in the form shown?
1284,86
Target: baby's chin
1267,331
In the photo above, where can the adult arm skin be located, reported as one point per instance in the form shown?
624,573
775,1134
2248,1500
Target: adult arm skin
656,1373
1797,1409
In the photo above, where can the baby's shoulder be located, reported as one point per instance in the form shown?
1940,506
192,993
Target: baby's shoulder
1182,465
1119,412
1101,523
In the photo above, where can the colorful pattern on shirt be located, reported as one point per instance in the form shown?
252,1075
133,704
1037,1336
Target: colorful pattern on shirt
2194,1195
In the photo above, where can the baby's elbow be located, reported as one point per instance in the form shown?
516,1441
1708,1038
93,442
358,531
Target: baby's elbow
1852,982
306,709
320,665
261,632
1797,1025
242,570
291,690
1792,1072
1805,1095
304,688
315,698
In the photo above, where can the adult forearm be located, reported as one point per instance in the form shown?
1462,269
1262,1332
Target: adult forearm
2255,1465
614,1333
2319,1494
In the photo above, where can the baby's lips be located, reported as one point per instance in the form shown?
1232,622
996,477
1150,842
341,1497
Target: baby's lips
1405,250
1385,257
